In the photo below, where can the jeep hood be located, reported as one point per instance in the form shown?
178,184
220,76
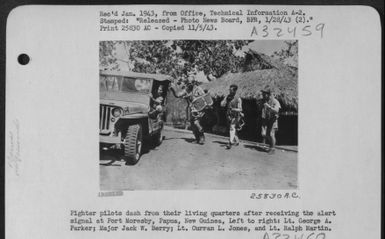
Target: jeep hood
136,102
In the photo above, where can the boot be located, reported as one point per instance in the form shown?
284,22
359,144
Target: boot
202,138
196,135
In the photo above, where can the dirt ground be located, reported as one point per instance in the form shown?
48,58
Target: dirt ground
179,164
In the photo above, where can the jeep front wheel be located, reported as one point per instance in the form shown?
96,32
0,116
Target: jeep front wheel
158,138
133,144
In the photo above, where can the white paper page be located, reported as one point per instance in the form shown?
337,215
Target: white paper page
62,182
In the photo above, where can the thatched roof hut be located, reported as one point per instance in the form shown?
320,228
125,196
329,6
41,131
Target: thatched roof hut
282,83
260,71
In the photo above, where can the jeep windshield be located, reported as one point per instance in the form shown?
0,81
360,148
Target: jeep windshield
124,84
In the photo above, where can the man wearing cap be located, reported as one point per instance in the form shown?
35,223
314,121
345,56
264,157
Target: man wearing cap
234,114
269,115
190,93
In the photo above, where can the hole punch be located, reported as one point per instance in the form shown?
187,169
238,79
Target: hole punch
23,59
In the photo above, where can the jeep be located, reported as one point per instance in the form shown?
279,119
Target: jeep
128,117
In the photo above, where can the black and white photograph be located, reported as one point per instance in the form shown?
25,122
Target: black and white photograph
198,114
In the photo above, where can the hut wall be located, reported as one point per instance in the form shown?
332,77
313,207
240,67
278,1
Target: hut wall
176,114
288,130
251,130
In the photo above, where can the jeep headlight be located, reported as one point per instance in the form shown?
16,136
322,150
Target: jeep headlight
126,111
116,112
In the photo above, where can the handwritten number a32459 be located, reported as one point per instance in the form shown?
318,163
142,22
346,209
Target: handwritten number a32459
304,31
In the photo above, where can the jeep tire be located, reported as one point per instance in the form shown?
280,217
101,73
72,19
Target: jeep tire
133,144
158,138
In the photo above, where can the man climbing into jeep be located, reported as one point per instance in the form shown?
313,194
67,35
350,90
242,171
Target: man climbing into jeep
157,104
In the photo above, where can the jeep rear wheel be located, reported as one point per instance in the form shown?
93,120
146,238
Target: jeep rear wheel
133,144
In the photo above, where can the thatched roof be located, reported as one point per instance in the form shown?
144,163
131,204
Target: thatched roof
259,61
282,84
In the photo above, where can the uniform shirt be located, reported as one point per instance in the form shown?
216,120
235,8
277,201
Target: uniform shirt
158,101
196,92
234,103
268,113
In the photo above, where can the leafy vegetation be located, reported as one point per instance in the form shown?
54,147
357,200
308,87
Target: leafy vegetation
178,58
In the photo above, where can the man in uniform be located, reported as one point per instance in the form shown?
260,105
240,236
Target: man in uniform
157,104
234,114
269,115
190,93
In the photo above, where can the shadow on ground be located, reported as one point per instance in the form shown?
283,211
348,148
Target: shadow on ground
189,140
255,147
114,155
221,143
